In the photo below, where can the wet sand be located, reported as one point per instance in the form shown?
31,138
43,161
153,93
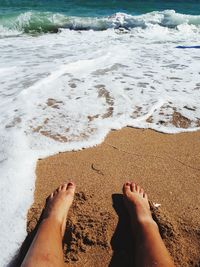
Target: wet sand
168,168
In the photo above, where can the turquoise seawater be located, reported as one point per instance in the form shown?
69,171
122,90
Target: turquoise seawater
99,7
49,16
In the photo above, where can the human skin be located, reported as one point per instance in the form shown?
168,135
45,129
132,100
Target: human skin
46,248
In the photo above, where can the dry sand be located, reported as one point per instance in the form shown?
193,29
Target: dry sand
168,168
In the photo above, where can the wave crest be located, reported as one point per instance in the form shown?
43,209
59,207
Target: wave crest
42,22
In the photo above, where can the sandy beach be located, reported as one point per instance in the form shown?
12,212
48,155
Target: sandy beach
167,166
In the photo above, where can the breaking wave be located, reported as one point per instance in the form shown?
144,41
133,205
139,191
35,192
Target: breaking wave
42,22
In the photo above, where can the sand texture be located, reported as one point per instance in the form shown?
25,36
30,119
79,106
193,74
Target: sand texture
168,168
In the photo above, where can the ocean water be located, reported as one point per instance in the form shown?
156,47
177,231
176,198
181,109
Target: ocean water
70,71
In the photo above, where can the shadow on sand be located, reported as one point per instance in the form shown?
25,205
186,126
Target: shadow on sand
122,241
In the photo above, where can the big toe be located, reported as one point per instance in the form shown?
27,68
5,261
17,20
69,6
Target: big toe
70,188
127,188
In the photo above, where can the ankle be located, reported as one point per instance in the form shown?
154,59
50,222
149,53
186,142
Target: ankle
51,219
147,223
52,222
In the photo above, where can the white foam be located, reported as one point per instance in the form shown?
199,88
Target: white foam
33,21
66,91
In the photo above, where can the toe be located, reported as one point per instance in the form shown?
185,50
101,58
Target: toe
145,196
55,192
141,191
64,187
133,187
137,187
127,188
59,188
71,187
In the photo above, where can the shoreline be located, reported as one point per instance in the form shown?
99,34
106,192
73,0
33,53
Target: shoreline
167,166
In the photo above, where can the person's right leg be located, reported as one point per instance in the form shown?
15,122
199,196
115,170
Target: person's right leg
150,248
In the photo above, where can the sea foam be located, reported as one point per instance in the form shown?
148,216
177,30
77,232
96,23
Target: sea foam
34,22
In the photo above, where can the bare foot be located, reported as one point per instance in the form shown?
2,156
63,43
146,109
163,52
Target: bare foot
136,201
58,204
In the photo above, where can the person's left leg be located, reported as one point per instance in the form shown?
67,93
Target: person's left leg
46,249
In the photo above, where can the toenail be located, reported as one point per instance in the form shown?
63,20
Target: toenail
70,183
127,184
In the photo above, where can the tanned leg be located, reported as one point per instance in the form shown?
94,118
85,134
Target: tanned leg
46,249
150,249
